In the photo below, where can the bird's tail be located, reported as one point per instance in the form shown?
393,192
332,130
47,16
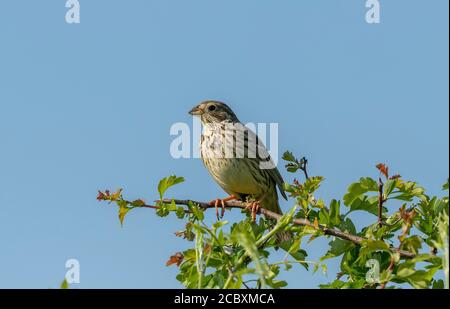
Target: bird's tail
282,237
271,203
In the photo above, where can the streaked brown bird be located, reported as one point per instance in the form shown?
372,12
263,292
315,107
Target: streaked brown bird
237,159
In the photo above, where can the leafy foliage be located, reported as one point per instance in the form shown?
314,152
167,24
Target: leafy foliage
404,246
64,285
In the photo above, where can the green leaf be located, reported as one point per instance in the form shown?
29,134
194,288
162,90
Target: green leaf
64,285
324,217
288,156
356,198
409,190
413,244
438,284
168,182
335,215
405,272
293,248
116,195
219,224
291,168
389,187
375,245
164,209
364,203
196,211
336,284
421,279
338,247
324,269
359,188
122,213
247,241
281,224
348,226
278,284
180,212
313,183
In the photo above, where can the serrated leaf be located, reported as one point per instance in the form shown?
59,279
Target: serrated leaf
313,183
375,245
335,215
122,213
288,156
338,247
348,226
324,217
356,199
389,187
364,203
168,182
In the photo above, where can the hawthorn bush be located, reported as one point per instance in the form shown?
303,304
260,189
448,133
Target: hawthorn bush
403,245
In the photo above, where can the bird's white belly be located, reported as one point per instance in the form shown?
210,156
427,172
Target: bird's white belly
234,177
232,174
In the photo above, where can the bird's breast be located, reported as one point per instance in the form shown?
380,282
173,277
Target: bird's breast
234,175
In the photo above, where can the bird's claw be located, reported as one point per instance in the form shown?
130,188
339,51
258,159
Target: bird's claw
216,205
254,208
218,201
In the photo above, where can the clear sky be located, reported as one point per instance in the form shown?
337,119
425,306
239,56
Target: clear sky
89,106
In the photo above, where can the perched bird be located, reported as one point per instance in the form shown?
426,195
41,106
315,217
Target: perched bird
237,160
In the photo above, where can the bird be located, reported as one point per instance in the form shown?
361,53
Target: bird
238,161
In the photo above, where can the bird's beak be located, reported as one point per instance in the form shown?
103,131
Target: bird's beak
196,111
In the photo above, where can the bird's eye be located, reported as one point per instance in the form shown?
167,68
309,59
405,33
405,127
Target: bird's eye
212,108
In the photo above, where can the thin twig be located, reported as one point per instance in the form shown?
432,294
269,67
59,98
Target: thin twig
389,269
298,221
304,163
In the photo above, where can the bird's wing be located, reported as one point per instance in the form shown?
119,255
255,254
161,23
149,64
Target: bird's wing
275,174
262,156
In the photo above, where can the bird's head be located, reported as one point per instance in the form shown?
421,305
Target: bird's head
214,111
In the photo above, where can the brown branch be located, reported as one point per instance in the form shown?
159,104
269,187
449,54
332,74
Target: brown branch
389,269
303,167
299,221
407,216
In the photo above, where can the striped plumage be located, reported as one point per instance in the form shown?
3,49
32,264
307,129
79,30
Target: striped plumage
236,158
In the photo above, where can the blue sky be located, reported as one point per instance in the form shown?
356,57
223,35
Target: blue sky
89,106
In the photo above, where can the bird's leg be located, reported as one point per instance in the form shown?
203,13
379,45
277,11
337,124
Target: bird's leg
216,205
230,198
254,208
222,204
